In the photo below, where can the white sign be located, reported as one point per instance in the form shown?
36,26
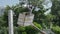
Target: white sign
25,20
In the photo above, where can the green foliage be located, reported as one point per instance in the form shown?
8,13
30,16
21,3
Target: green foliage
56,29
4,18
3,30
24,33
21,28
2,22
39,16
31,30
49,20
37,25
55,10
25,30
36,2
40,20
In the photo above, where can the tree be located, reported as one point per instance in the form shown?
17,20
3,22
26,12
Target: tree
35,3
55,10
4,18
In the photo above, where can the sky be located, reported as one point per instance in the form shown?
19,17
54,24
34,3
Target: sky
14,2
47,3
8,2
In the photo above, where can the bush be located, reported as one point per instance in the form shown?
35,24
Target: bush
56,29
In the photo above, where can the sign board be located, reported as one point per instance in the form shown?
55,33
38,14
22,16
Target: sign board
25,20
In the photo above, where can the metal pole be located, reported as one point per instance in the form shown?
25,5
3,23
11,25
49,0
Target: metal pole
10,20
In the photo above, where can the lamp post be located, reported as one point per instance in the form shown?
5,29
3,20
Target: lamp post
10,21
